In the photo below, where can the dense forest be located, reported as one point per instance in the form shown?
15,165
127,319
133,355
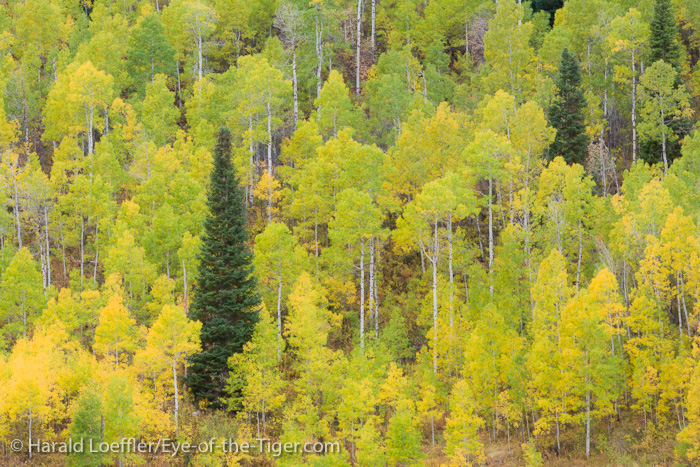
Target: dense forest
436,232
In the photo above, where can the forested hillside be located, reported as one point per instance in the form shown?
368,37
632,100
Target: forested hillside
436,232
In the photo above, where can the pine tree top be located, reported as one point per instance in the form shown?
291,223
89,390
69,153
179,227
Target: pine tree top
664,29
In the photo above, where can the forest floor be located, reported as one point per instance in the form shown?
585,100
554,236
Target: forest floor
625,444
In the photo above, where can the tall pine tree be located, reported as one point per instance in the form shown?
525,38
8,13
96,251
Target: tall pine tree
662,41
225,300
566,113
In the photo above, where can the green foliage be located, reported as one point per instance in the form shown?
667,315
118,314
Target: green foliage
225,301
663,43
566,113
432,263
86,425
149,52
22,296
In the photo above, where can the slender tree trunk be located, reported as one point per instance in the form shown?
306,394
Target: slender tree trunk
295,84
82,249
434,264
371,278
251,150
89,121
177,402
362,295
358,43
319,56
279,315
48,248
490,235
588,424
466,39
31,417
663,141
269,161
634,108
373,29
199,56
580,254
685,309
316,236
452,281
179,89
186,291
678,300
97,253
376,291
16,206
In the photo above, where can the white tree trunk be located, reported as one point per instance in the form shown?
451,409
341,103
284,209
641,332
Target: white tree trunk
663,139
588,424
373,28
319,56
634,108
376,292
48,248
358,43
179,88
30,434
295,85
97,253
279,315
490,235
177,402
362,295
371,279
269,161
185,293
16,206
199,56
434,263
82,250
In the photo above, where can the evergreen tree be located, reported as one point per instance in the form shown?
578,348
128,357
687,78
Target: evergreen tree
225,301
566,113
662,42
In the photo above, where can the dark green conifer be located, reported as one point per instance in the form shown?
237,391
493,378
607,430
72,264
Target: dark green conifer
664,30
566,113
225,300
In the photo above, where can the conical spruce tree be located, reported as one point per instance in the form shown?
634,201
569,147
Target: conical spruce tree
664,30
566,113
225,300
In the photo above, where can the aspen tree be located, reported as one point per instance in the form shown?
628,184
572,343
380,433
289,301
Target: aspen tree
278,261
628,36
